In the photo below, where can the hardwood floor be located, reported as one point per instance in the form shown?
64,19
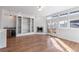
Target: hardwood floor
30,43
73,45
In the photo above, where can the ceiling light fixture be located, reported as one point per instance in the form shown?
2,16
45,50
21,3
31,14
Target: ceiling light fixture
40,8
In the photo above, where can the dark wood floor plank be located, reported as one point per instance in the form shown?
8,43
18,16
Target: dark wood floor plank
30,43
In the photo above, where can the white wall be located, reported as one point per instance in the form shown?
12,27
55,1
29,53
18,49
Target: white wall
0,17
7,20
41,22
67,32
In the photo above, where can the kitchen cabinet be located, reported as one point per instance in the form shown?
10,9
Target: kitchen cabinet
3,38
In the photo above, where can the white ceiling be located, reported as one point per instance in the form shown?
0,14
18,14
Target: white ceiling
32,10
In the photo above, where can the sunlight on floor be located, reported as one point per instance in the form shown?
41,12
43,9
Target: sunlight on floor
53,44
64,45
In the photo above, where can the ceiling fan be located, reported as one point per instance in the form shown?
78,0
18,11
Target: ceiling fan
40,8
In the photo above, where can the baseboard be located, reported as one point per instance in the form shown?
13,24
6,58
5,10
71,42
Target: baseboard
30,34
25,34
40,33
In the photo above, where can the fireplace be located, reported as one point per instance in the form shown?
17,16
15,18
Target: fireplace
39,29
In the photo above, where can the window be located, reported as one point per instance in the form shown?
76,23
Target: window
55,25
52,25
63,23
74,12
74,24
49,25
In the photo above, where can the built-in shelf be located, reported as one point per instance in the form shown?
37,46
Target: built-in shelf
24,25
